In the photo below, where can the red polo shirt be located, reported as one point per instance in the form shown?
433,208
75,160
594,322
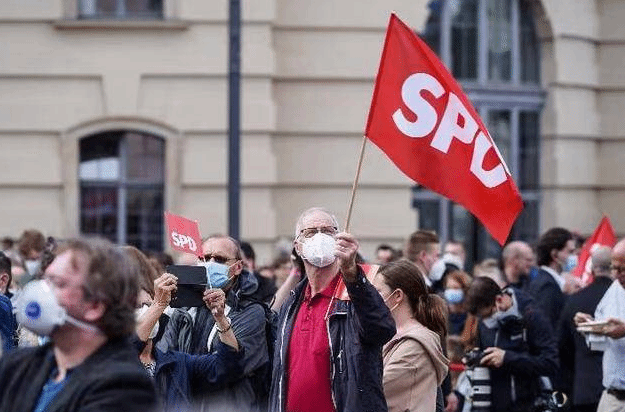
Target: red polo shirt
309,380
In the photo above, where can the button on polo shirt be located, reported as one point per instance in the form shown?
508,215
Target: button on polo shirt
309,378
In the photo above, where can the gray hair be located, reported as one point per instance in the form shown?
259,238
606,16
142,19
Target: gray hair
310,211
601,261
236,245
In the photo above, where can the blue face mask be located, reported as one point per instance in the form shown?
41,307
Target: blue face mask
454,296
570,264
216,274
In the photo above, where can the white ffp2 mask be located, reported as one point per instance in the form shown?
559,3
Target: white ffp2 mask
319,250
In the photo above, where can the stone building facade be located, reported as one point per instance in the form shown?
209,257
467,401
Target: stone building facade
112,111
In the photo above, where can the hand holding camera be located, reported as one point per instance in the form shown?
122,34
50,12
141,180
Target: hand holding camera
493,357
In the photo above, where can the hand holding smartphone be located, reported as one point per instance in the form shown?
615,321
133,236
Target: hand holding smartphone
191,285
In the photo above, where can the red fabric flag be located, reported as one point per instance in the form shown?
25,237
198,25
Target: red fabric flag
425,124
183,234
602,236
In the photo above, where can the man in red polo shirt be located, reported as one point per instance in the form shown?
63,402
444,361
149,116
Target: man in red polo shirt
331,329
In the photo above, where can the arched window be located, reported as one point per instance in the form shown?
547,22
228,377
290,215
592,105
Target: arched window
492,49
121,188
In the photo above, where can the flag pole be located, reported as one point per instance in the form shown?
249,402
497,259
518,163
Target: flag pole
355,185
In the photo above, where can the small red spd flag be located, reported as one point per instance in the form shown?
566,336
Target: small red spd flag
603,236
183,234
425,124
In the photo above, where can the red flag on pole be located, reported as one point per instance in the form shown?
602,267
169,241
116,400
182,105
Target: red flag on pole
425,124
602,236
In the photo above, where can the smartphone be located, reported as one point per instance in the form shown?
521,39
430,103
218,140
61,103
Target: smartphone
191,285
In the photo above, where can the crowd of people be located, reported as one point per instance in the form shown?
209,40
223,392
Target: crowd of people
91,326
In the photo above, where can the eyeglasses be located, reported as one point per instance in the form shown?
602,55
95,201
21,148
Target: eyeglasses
618,269
312,231
217,258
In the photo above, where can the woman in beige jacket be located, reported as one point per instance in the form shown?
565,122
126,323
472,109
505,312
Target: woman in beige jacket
414,364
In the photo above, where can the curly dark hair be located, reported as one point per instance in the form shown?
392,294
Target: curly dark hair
555,238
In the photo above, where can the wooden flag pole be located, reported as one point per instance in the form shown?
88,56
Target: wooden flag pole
351,200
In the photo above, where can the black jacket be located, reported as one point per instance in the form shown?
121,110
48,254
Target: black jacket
548,296
111,379
581,370
358,328
531,352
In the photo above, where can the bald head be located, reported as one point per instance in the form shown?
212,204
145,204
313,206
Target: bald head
315,214
518,259
618,261
600,259
514,249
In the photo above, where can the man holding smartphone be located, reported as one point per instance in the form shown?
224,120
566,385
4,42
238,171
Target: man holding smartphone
194,331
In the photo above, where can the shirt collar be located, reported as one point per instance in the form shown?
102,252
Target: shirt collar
327,292
558,278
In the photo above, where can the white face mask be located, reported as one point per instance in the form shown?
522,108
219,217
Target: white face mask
32,266
38,310
437,271
139,312
319,250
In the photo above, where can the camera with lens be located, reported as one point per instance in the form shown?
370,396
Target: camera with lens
472,358
479,378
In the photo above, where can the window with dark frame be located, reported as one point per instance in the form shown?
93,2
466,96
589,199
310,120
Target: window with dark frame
491,48
121,176
120,9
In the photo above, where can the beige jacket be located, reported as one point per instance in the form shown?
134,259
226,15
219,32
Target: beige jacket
414,366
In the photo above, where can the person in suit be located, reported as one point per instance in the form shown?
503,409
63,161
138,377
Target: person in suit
547,288
580,367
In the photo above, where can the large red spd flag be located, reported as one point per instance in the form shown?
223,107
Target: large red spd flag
425,124
603,236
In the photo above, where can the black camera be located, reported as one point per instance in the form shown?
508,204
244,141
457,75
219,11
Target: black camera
472,358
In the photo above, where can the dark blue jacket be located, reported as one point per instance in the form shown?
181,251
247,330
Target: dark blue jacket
358,327
181,379
531,352
7,324
548,296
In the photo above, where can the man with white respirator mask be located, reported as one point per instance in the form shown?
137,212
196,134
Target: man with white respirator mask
85,305
331,328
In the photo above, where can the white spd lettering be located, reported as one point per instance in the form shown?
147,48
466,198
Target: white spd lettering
181,240
449,127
